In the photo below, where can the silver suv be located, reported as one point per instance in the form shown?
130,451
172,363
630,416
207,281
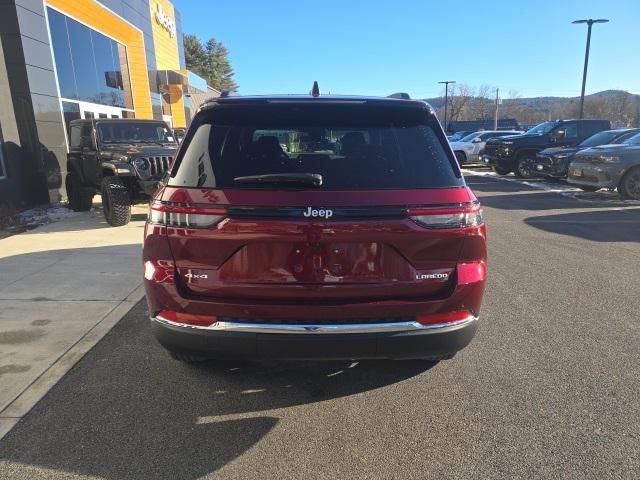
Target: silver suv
468,148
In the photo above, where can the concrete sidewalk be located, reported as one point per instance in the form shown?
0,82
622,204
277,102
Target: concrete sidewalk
62,287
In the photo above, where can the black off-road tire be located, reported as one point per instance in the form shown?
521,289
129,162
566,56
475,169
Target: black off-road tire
629,186
524,166
501,171
461,157
80,197
186,358
116,203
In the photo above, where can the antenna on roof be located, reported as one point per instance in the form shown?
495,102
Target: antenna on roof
315,90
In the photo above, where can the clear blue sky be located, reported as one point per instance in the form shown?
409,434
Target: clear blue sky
378,47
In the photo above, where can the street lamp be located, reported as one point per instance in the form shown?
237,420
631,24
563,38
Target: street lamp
446,100
589,23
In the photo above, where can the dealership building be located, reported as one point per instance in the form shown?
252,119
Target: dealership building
62,60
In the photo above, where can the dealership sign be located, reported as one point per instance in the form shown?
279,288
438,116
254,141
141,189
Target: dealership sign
165,21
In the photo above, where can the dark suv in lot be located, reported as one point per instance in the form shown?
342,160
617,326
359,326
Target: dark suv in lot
518,153
554,162
314,227
124,160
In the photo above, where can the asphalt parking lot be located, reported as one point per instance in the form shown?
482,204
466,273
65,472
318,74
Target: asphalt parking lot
548,389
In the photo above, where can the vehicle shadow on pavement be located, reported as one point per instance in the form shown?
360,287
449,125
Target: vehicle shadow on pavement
127,410
598,226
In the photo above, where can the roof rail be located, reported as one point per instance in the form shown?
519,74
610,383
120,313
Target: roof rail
400,96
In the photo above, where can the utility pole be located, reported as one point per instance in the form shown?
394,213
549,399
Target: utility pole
495,122
446,100
589,23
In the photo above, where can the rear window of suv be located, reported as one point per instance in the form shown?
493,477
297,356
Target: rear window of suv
352,146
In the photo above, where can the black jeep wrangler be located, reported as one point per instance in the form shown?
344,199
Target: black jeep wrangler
123,159
517,153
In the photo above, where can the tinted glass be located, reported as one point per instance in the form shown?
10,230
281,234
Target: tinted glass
625,136
75,136
62,54
545,127
601,138
570,130
351,146
134,132
91,67
71,111
635,140
469,137
108,75
83,62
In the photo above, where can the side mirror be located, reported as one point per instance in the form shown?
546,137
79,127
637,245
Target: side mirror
476,140
558,135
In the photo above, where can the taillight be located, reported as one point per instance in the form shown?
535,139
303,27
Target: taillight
188,318
448,217
471,272
449,317
184,215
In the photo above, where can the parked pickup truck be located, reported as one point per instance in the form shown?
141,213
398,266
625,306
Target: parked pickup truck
124,160
518,153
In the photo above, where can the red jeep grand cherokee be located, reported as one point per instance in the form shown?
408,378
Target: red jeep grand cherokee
314,227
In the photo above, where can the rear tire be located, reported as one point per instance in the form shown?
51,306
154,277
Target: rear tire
461,157
116,203
524,166
629,187
187,358
587,188
501,171
80,197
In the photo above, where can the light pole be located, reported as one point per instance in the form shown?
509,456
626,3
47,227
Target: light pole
589,23
446,100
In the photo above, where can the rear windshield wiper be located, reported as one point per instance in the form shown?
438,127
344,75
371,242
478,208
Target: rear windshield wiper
313,179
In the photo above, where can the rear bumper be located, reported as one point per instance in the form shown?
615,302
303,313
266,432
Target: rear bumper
320,341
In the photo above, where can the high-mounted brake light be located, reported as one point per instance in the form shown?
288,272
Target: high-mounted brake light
450,217
184,215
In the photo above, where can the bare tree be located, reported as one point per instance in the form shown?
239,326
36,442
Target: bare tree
460,97
481,107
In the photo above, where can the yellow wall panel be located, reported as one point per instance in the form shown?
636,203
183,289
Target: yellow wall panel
92,14
167,58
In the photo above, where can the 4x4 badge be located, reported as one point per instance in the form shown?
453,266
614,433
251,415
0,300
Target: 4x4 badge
193,275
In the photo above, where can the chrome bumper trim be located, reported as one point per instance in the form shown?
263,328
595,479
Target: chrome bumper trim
289,328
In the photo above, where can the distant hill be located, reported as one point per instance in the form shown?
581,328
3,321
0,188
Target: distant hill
621,107
540,103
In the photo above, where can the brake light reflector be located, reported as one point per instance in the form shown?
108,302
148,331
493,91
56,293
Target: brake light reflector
438,318
188,318
184,215
471,272
454,217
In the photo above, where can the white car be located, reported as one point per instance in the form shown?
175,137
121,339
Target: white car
468,148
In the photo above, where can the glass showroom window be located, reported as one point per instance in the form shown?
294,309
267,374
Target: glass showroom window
91,67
